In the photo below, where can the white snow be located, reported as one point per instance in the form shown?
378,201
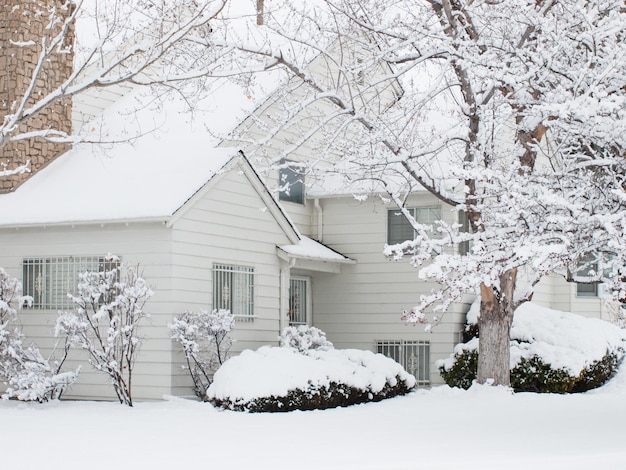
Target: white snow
482,428
444,429
562,339
309,248
274,371
157,156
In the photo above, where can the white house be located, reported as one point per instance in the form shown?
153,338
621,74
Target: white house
197,219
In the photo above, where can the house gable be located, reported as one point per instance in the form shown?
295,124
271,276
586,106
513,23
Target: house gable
267,201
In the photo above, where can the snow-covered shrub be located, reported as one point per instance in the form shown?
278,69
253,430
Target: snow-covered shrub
460,370
304,338
551,351
28,375
205,339
283,379
109,308
535,375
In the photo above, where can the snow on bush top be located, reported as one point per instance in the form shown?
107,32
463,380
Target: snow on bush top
304,338
562,339
565,340
271,371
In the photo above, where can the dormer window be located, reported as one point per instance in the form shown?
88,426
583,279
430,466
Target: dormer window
291,182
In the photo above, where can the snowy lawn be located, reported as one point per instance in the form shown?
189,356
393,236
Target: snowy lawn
442,428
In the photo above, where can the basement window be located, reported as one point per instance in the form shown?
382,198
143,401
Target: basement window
414,356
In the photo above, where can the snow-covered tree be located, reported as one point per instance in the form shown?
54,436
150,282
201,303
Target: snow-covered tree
29,376
205,340
512,112
106,321
57,53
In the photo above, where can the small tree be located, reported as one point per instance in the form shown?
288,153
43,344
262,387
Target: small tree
205,339
28,374
109,309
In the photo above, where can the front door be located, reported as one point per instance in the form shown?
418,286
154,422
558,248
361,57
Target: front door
299,300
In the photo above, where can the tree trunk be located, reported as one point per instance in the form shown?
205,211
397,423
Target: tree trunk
494,324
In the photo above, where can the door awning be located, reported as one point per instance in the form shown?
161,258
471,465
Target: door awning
312,255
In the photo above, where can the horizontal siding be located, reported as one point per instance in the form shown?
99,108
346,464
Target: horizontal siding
364,302
555,292
146,245
229,225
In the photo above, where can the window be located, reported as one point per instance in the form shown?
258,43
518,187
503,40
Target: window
291,183
588,268
49,280
399,228
464,247
233,289
299,301
414,356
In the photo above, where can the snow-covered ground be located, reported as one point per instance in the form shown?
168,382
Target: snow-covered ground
441,428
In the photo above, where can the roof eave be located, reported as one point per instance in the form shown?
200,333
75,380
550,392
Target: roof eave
73,223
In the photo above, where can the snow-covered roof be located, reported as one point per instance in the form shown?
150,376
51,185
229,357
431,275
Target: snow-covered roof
310,249
336,184
153,155
170,156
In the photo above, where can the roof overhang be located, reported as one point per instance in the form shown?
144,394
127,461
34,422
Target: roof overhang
311,255
163,220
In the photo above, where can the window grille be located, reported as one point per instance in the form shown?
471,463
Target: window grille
49,280
233,289
414,356
399,229
298,301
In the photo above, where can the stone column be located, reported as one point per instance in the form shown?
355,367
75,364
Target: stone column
20,23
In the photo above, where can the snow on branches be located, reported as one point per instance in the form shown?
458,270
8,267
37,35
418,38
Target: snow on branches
29,376
205,340
304,338
109,309
512,112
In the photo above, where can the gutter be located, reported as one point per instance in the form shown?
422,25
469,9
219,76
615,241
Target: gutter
157,219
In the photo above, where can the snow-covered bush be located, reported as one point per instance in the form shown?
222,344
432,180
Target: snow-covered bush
205,339
551,351
28,375
106,320
283,379
304,338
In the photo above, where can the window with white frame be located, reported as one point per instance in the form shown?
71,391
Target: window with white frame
49,280
414,356
299,299
588,268
291,182
233,289
399,229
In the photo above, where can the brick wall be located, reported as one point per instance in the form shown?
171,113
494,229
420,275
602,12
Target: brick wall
22,21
